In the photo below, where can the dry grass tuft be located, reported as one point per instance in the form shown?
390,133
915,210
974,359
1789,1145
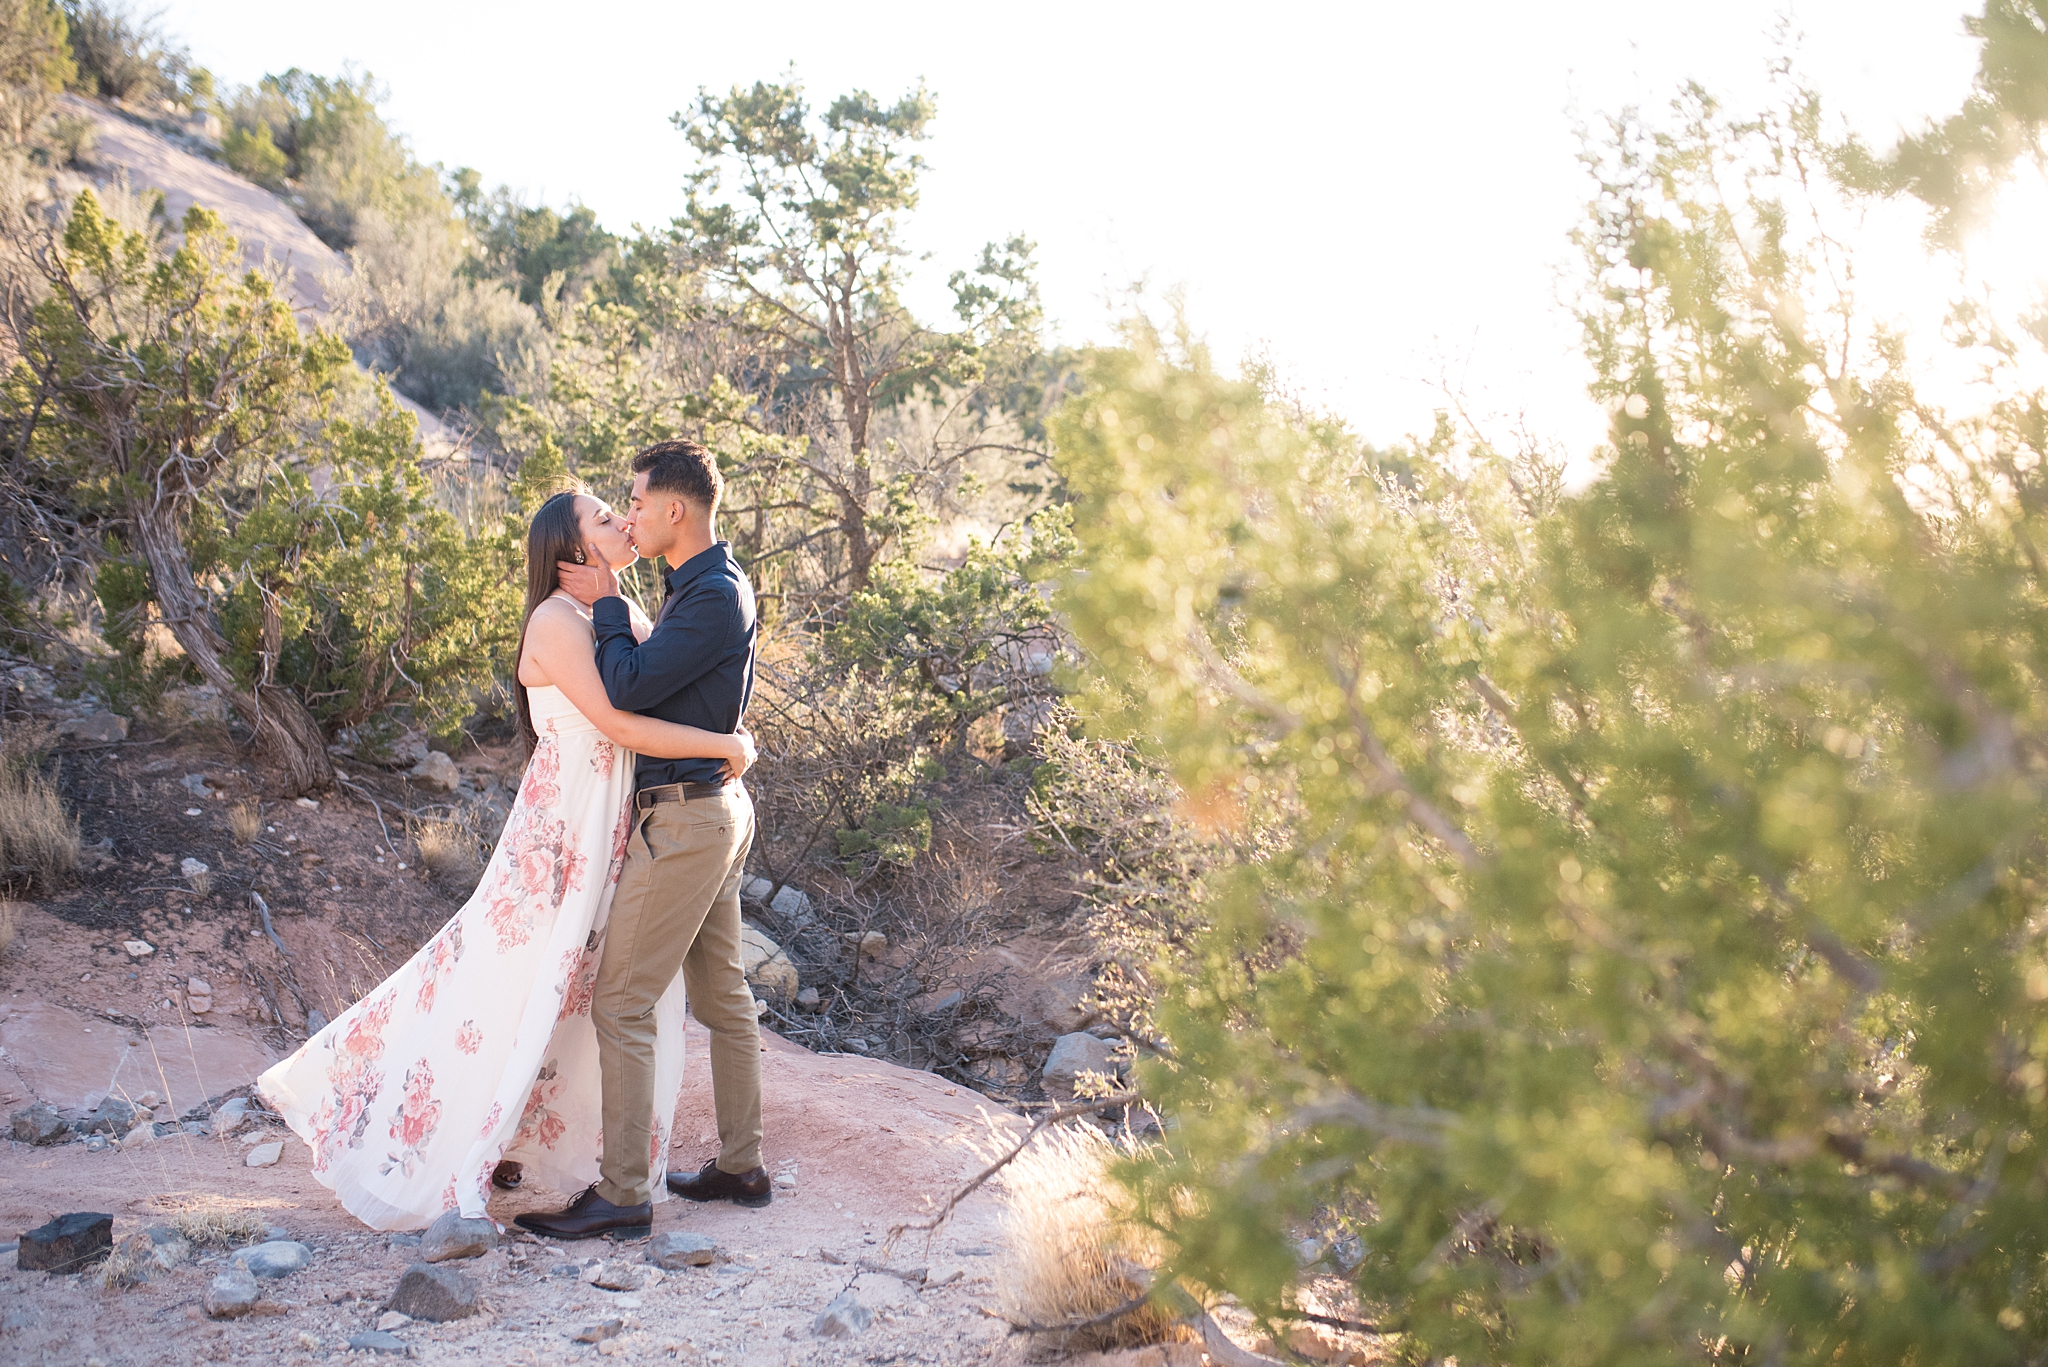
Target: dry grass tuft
129,1264
38,838
246,820
1071,1252
448,848
219,1220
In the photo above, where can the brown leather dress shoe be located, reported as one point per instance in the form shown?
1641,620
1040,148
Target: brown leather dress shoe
712,1183
590,1215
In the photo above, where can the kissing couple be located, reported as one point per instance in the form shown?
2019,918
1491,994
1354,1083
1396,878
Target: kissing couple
540,1031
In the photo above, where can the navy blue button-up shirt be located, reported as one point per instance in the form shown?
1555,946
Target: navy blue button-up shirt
696,667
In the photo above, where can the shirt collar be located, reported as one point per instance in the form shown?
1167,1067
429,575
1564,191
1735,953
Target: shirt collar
719,553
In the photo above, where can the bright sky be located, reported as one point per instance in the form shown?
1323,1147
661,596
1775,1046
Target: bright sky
1377,196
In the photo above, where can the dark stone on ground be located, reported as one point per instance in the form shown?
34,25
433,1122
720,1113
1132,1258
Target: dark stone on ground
429,1291
40,1124
111,1116
453,1236
232,1295
599,1332
679,1249
67,1243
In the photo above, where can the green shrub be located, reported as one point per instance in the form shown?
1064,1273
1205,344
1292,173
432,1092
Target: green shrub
35,64
340,159
120,55
251,154
1653,969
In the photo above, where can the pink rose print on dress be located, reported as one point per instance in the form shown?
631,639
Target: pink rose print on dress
353,1081
448,1201
414,1122
469,1039
579,966
490,1121
541,787
622,833
442,955
511,924
601,757
538,1123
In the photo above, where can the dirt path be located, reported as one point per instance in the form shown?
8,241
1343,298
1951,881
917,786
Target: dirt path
867,1144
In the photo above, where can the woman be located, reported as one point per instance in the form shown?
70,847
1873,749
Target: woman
479,1051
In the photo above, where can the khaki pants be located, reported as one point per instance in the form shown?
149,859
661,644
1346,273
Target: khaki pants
677,906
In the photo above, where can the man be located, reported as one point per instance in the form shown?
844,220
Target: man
678,900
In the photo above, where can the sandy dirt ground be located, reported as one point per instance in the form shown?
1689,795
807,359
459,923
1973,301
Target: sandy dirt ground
866,1144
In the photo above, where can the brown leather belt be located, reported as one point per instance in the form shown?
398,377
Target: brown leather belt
678,792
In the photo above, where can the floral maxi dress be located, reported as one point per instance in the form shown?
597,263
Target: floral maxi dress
481,1047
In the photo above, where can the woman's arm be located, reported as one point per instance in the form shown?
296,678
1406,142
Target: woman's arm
558,643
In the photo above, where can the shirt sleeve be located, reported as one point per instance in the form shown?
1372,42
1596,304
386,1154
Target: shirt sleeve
686,643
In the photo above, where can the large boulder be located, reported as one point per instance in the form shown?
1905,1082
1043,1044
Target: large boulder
198,705
767,967
97,728
112,1116
1075,1054
66,1244
436,771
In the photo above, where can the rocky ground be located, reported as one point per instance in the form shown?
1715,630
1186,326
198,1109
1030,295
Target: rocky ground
145,983
859,1146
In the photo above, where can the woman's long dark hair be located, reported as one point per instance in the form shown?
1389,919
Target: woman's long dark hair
552,536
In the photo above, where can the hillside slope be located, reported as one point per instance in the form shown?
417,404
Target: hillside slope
270,232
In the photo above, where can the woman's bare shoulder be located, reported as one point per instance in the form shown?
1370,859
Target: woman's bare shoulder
561,614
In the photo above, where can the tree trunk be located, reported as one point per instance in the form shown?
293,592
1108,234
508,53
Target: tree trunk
285,731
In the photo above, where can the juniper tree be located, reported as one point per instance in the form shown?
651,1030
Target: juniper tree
1657,969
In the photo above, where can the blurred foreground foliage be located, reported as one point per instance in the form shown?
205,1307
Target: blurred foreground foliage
1654,966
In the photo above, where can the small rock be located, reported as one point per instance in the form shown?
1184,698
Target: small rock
402,1240
678,1249
101,728
599,1332
113,1115
232,1115
391,1319
39,1124
452,1236
264,1155
168,1248
198,1129
309,803
766,965
66,1244
437,771
872,944
844,1318
27,1317
785,1181
143,1133
315,1023
275,1259
428,1291
196,785
138,949
947,1002
233,1294
197,875
377,1341
808,999
200,703
755,889
792,905
626,1277
1073,1055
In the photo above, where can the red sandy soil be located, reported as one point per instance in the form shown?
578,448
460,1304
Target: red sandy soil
869,1145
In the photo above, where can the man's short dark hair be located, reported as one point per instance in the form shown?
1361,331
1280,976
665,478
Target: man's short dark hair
681,468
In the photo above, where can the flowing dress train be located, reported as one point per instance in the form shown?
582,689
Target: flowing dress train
480,1048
